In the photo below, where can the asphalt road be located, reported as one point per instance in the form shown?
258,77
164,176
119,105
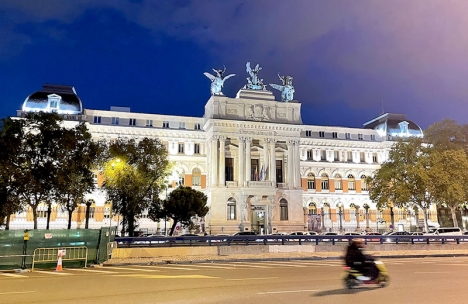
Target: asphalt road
428,280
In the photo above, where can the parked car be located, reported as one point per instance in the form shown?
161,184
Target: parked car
246,233
372,239
397,235
418,239
329,233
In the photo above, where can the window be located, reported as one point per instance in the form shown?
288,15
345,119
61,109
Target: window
351,182
350,156
107,211
338,182
279,171
197,126
309,133
363,157
132,122
336,155
283,210
374,158
311,181
115,120
372,137
196,149
363,183
335,134
181,147
348,135
231,209
326,211
360,137
165,124
323,155
322,134
312,208
149,123
196,177
309,154
325,185
97,119
181,125
229,169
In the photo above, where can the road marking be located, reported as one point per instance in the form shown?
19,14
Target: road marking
287,291
13,275
159,276
321,264
90,270
52,272
16,292
213,266
250,265
129,268
455,264
246,279
283,264
434,272
170,267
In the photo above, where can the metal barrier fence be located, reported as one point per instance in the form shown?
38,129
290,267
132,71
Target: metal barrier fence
49,255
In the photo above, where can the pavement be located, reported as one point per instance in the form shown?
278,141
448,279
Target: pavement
285,256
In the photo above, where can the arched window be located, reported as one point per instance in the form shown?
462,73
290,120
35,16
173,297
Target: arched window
196,177
231,209
283,210
352,211
312,208
326,211
325,185
351,182
363,183
311,181
338,182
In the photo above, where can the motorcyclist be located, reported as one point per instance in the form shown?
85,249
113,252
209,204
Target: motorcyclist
356,259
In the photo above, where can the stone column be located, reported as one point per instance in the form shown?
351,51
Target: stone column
222,160
297,165
264,166
290,177
214,160
272,168
241,162
248,164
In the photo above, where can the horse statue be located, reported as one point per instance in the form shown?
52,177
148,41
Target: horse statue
217,82
254,83
287,89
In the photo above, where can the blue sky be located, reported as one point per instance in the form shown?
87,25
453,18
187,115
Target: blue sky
150,55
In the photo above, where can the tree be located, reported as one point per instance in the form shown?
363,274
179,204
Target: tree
182,205
404,179
447,135
77,157
134,173
448,175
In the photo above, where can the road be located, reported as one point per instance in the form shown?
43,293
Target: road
428,280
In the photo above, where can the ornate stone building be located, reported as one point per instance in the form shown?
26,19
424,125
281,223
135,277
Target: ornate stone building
260,166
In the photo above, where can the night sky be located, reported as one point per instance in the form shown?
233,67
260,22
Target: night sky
346,57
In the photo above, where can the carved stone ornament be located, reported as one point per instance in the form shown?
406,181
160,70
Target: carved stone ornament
257,112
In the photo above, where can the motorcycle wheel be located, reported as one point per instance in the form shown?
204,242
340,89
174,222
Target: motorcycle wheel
350,282
383,280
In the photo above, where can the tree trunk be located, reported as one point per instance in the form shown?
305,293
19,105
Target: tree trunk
70,214
426,227
174,224
131,224
88,206
7,226
454,216
34,211
49,211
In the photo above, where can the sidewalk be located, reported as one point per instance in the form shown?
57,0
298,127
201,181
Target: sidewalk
282,257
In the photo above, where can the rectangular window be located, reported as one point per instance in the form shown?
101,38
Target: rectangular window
283,212
165,124
350,156
323,154
107,212
322,134
336,155
309,133
181,148
197,126
196,149
149,123
196,180
360,137
335,134
351,185
181,125
348,135
338,183
325,185
115,120
309,154
229,173
372,137
254,169
91,212
374,158
363,157
132,122
97,119
231,211
279,171
311,184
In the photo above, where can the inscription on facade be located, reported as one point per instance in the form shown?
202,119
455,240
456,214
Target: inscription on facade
265,133
232,111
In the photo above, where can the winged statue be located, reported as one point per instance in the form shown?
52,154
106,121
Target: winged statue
254,83
287,89
217,81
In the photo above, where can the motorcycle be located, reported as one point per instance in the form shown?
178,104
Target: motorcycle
354,278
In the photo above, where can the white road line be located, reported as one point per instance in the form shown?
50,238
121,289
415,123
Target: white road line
53,272
90,270
427,272
16,292
320,264
250,265
171,267
212,266
13,275
283,264
246,279
455,264
287,291
129,268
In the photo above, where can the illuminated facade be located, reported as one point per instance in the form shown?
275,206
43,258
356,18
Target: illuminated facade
260,166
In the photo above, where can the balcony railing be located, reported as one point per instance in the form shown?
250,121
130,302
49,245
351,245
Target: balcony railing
258,184
231,184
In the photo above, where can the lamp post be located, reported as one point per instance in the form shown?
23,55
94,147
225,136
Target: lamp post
340,213
165,216
392,215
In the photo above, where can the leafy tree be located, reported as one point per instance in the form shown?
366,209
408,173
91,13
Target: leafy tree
77,157
182,204
447,135
134,172
448,175
404,179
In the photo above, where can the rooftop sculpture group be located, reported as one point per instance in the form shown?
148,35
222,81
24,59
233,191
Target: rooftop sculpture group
253,82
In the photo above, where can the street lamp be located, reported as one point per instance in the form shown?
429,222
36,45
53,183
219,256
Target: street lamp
340,213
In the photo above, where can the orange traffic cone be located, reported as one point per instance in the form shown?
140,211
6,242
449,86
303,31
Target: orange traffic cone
59,261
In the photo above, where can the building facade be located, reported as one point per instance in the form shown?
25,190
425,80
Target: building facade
262,169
